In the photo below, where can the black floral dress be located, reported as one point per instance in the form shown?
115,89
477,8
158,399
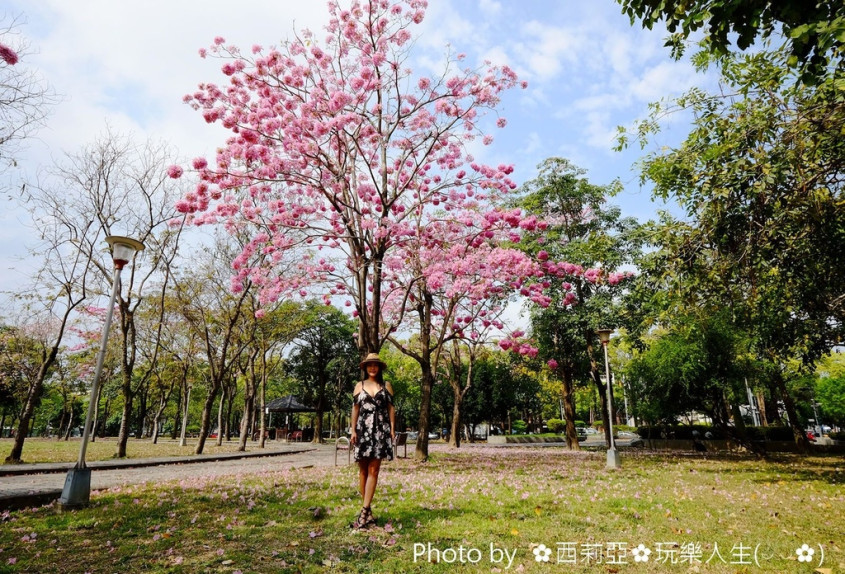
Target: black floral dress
373,426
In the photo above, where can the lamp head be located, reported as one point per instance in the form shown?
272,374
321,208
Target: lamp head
604,335
123,249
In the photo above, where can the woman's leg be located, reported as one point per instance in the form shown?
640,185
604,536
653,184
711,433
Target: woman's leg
362,475
372,479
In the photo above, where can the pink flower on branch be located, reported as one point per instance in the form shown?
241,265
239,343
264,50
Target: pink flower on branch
323,166
8,55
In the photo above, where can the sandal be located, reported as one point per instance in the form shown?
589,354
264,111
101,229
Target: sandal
361,521
370,519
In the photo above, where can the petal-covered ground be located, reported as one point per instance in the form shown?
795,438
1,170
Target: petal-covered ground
473,509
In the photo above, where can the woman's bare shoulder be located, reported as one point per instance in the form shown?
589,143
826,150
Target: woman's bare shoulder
358,388
388,386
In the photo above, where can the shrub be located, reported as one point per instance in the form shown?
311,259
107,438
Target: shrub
837,435
556,425
519,427
782,434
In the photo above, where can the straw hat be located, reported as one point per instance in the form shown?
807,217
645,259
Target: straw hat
373,358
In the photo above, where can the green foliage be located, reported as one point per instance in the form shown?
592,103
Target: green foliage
694,367
584,230
324,363
519,427
830,394
556,425
814,31
20,358
759,179
500,387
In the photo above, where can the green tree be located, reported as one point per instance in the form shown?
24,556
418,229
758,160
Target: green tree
697,366
19,362
325,360
814,31
586,231
759,180
830,394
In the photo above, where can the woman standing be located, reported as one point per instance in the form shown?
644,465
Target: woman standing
373,431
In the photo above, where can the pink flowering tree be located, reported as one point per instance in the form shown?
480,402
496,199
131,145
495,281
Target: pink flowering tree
337,151
587,293
450,287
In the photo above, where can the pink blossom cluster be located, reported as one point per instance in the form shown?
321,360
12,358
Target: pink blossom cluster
8,55
356,176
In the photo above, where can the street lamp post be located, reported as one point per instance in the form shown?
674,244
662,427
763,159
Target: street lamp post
77,490
612,453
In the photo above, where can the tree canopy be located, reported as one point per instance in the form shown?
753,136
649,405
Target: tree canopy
814,31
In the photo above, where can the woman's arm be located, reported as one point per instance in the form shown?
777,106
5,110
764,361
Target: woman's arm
391,412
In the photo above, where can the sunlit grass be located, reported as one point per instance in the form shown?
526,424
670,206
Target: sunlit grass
680,507
37,450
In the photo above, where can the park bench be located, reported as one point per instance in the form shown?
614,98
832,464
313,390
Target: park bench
295,436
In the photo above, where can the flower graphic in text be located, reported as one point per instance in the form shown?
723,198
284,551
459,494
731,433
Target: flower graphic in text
641,553
542,553
805,553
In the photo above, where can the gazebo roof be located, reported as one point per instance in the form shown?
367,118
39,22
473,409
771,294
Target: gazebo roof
287,404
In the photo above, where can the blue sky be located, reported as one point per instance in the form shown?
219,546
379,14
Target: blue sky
128,64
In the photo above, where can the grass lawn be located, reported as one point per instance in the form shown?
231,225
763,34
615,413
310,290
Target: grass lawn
476,509
51,450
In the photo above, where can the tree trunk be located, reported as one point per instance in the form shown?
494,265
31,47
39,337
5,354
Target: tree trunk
421,452
220,408
184,430
69,422
233,391
801,441
143,429
205,421
249,406
162,405
455,429
123,435
568,398
33,398
105,418
263,426
60,429
761,403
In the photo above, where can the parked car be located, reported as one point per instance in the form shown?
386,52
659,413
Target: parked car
413,435
582,433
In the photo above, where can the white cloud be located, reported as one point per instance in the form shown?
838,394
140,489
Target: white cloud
664,79
129,63
544,49
490,7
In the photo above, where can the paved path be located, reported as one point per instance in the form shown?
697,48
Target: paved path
34,484
28,485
